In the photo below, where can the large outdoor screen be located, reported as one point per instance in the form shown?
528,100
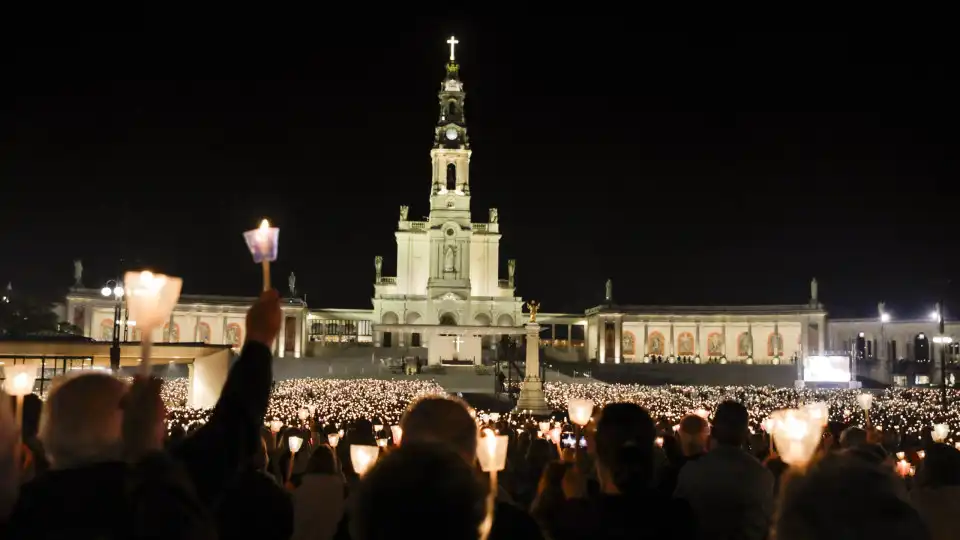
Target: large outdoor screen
826,369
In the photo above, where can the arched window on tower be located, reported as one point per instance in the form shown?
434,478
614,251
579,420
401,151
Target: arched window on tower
451,177
452,108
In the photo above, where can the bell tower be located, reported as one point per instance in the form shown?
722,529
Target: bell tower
450,156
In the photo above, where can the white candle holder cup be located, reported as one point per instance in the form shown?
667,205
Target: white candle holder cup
397,433
263,243
295,443
362,457
940,433
580,411
333,440
150,301
797,435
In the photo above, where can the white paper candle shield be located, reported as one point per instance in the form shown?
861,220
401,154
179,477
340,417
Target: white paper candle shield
303,414
940,432
276,426
865,401
819,411
333,440
363,457
579,411
377,427
20,379
295,443
494,417
544,426
797,434
263,242
312,408
492,451
702,413
151,298
397,433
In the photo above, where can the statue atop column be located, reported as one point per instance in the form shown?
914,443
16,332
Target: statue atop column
494,215
609,292
511,271
378,266
292,283
404,210
78,273
881,309
533,306
813,292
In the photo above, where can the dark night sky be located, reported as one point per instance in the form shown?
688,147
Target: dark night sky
704,169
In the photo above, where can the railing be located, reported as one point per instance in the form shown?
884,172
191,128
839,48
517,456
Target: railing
479,227
387,281
504,283
418,225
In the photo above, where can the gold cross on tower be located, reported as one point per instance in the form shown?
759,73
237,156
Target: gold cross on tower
453,43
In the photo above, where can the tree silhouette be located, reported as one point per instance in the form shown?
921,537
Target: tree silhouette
24,315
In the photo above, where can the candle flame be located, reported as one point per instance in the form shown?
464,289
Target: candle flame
264,225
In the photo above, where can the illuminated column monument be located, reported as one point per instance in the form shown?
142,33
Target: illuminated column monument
531,389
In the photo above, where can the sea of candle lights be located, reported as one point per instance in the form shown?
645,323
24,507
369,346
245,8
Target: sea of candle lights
908,412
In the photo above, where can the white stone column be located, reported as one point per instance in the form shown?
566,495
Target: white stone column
298,345
723,342
696,343
602,343
821,333
282,337
617,339
196,330
531,389
753,345
569,336
553,333
646,332
776,334
670,350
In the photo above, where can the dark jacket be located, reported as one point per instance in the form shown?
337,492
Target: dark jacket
215,453
255,506
614,517
111,501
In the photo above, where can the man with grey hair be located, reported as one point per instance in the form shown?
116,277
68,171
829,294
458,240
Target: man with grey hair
105,444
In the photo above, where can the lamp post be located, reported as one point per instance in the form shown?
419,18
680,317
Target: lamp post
116,291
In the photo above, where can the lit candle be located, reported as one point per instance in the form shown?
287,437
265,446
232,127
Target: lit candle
940,432
397,433
263,243
362,457
797,434
333,439
150,301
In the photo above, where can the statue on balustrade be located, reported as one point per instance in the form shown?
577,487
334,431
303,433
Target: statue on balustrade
494,215
404,210
745,345
715,345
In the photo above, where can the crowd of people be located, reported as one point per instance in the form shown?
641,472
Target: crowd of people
907,412
104,459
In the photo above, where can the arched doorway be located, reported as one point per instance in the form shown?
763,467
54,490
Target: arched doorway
386,339
448,319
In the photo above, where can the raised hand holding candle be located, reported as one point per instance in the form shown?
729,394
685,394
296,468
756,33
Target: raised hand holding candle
150,301
865,401
263,243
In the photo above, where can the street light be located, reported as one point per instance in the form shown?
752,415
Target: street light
116,291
